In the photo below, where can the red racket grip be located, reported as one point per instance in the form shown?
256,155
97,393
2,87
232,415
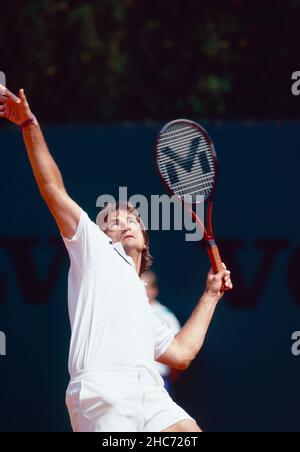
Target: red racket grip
215,259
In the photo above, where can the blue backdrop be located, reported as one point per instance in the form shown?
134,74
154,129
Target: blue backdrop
246,378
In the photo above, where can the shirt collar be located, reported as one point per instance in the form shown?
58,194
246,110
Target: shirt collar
120,250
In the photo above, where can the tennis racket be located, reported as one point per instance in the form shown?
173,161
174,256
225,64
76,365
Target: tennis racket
187,164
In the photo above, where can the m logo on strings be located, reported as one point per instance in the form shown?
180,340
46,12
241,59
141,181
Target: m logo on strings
186,163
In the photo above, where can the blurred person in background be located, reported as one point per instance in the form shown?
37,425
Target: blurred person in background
169,375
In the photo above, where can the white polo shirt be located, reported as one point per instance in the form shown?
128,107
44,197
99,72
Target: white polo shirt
112,322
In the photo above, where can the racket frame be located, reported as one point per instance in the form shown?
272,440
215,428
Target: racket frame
212,248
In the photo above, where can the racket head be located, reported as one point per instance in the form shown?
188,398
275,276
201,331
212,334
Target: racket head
186,160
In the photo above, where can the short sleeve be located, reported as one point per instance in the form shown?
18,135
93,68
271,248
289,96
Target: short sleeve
163,336
87,239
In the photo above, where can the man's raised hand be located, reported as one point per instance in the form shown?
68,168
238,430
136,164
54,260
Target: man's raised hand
15,109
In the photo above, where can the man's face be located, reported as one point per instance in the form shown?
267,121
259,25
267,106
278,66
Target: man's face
124,227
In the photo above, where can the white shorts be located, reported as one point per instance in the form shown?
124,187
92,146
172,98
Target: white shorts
121,400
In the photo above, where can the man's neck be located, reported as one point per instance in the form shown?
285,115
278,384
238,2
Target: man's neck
137,259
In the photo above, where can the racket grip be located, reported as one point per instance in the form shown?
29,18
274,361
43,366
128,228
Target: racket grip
215,259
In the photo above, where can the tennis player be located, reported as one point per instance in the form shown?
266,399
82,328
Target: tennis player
116,337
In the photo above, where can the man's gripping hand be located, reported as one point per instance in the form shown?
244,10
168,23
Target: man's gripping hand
215,283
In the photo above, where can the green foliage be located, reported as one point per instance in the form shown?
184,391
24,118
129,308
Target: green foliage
140,59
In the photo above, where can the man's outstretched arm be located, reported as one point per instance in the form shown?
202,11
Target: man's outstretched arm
189,340
47,175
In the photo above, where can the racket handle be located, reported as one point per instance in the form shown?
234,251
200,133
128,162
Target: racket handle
215,259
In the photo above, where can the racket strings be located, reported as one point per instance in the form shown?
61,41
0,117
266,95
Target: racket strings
194,183
183,143
179,140
194,176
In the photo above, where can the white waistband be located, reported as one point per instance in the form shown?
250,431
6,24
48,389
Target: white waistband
138,372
